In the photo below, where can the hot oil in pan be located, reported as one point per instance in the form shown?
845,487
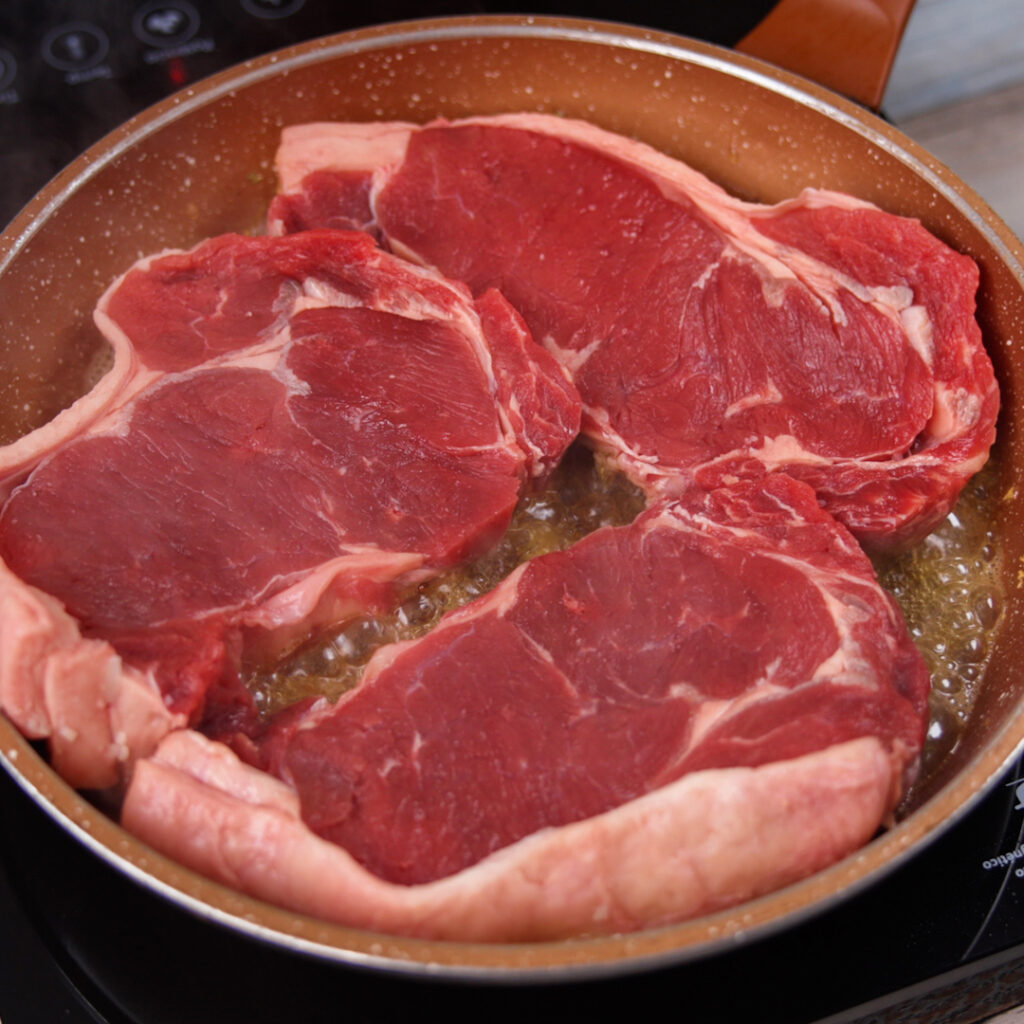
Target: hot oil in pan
951,592
948,587
580,496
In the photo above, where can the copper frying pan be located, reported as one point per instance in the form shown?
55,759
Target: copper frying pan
200,163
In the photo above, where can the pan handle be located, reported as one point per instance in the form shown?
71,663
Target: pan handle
845,45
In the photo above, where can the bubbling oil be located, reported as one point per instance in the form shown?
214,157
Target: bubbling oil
580,496
948,588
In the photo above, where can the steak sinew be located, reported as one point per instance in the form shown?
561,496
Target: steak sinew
710,338
662,720
303,425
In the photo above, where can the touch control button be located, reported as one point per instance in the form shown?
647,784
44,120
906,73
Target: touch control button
272,8
8,68
163,24
75,46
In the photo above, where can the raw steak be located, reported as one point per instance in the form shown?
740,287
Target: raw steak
710,338
596,745
300,425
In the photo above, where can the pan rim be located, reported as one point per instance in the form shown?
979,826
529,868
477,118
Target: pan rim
618,35
578,959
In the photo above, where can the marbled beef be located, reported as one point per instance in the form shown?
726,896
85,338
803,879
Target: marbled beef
664,719
292,427
710,338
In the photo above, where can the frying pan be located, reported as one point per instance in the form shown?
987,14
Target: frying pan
200,164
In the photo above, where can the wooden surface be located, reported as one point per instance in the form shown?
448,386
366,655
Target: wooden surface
1015,1016
953,50
982,140
957,88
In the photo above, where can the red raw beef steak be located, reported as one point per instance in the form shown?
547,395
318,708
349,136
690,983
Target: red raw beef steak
295,428
664,719
710,338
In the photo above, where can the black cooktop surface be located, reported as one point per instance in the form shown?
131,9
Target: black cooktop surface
939,939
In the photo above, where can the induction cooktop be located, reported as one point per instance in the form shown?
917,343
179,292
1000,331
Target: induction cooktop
71,70
939,940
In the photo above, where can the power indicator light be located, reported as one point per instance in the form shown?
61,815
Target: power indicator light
177,73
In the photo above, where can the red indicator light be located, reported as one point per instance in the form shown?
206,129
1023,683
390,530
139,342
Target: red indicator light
176,72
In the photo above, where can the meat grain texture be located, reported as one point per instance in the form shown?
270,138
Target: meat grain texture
709,337
597,744
624,734
226,479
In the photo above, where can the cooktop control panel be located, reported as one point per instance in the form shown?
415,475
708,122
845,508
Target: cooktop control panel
72,70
